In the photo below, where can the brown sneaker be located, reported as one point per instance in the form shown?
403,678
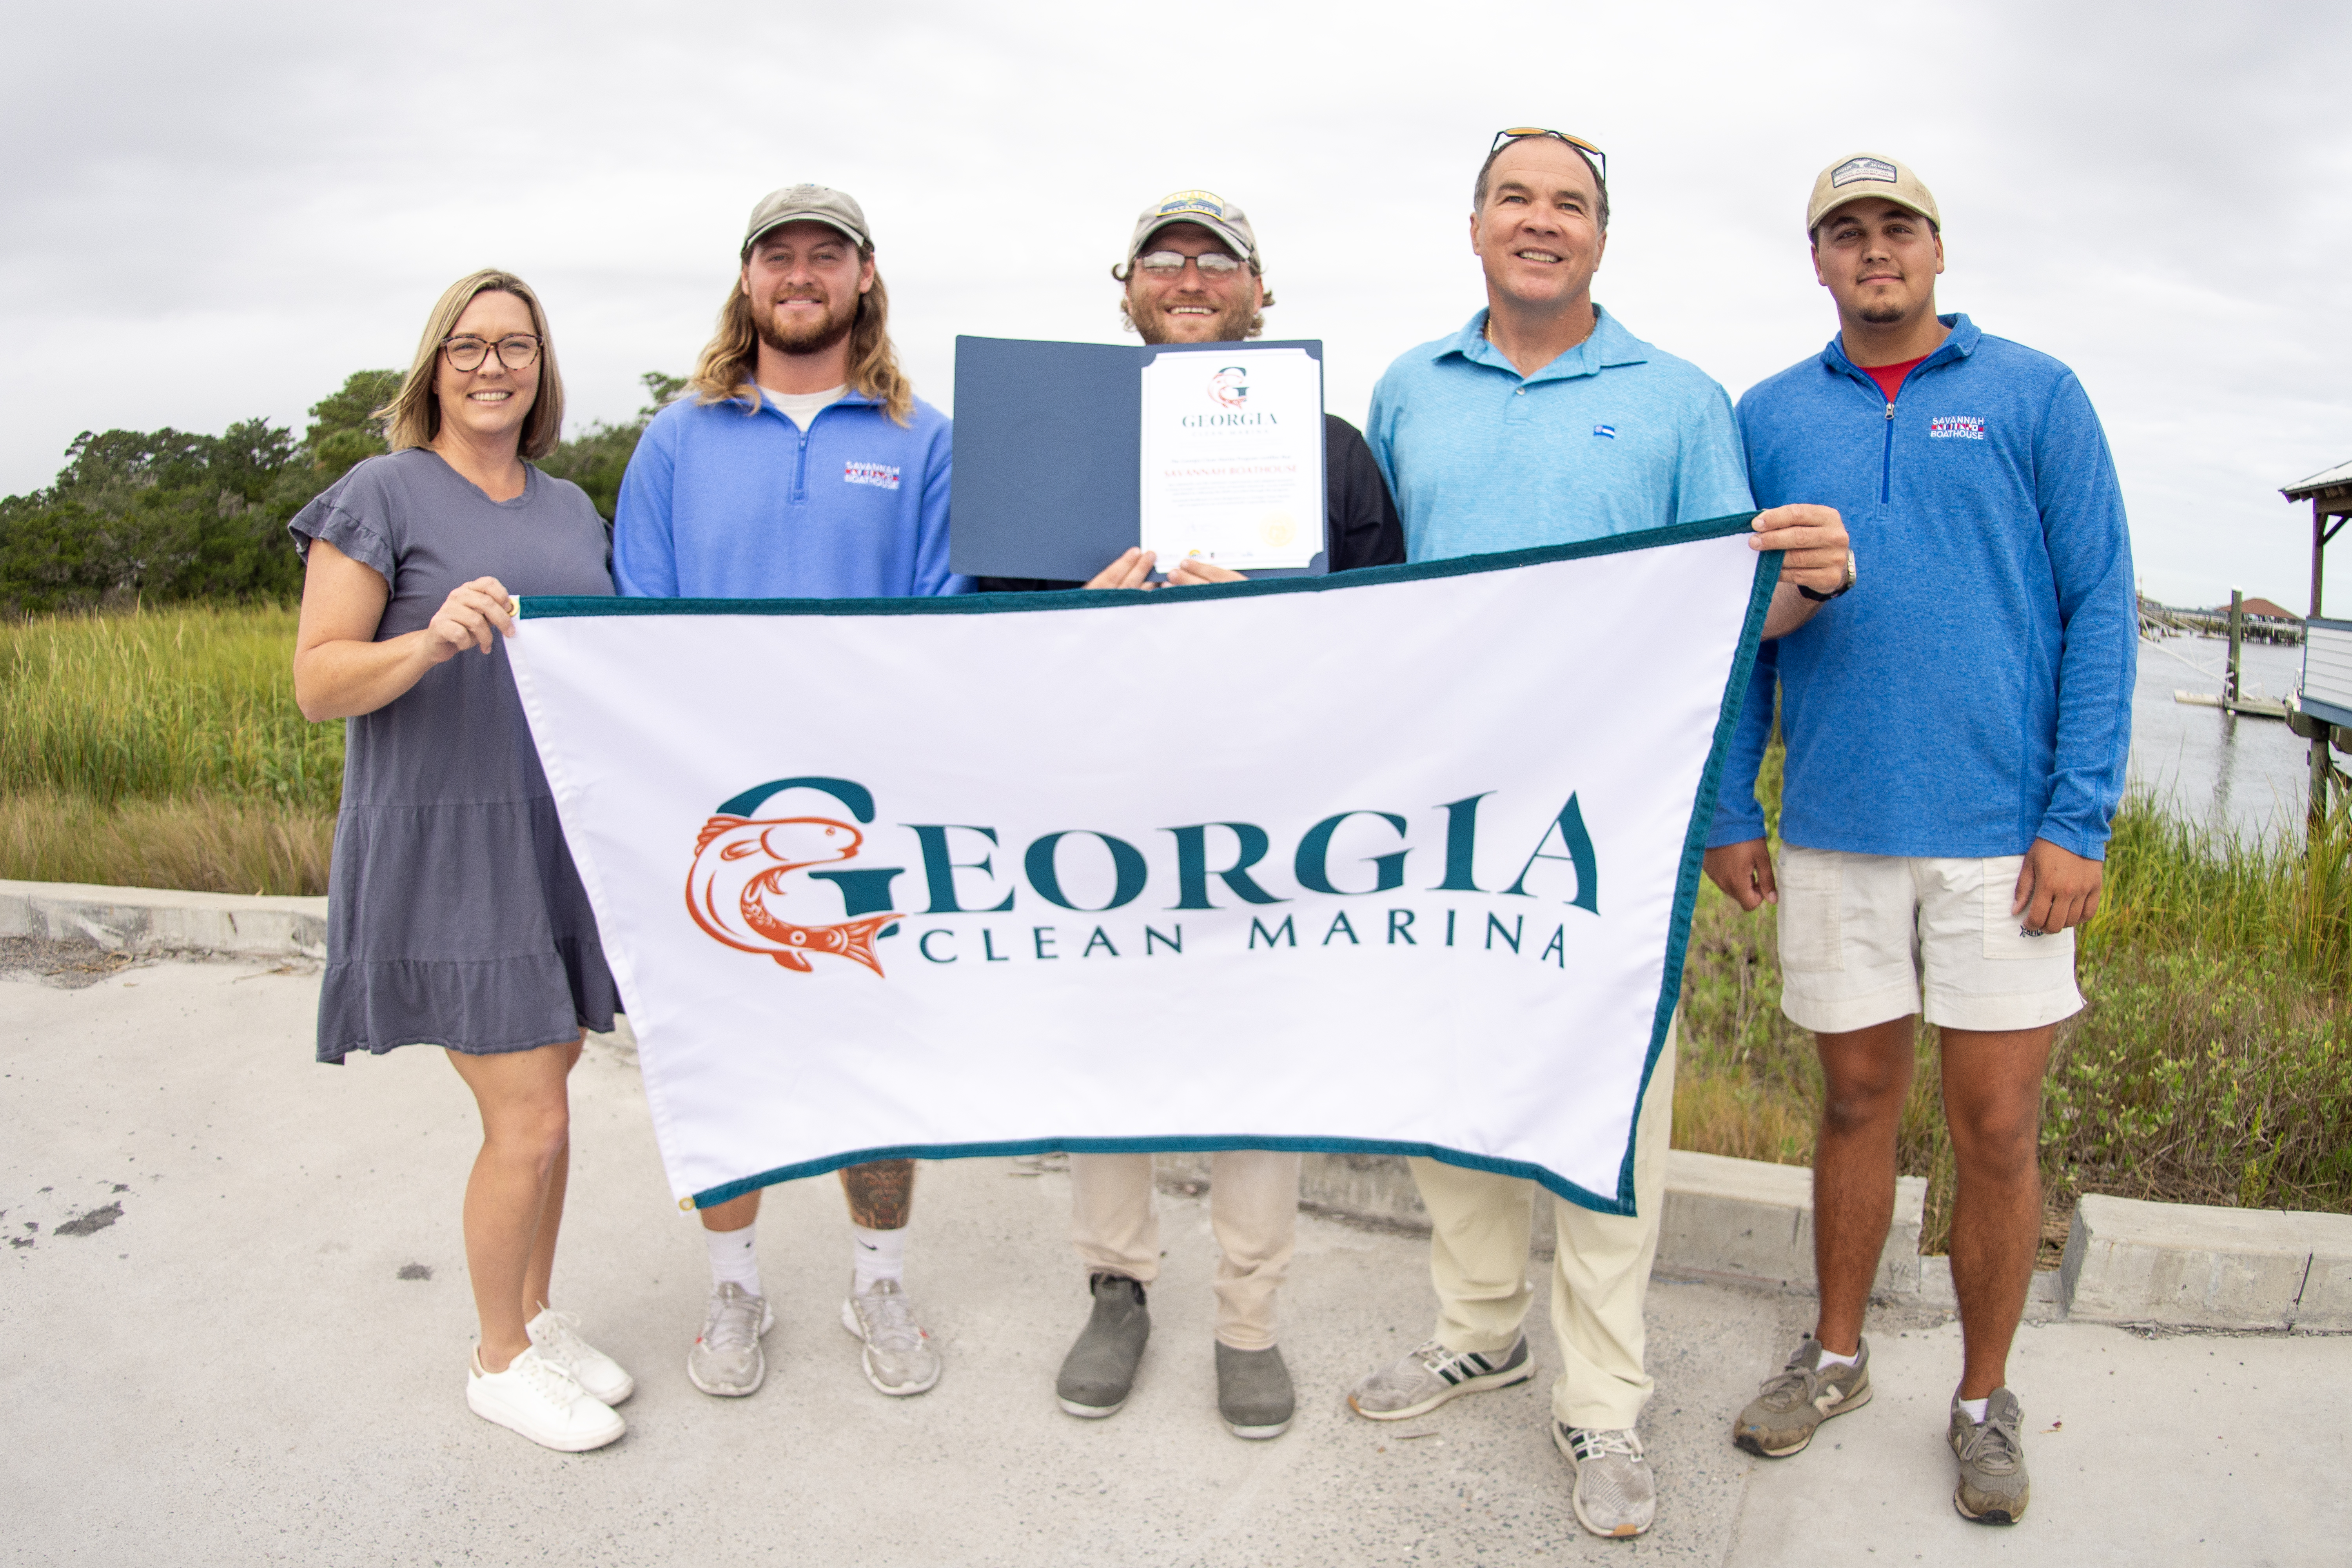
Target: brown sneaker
1781,1418
1993,1488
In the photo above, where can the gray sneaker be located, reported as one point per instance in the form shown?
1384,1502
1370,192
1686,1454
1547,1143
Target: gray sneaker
1254,1392
1993,1488
1616,1494
1098,1374
1781,1418
1420,1381
727,1359
899,1358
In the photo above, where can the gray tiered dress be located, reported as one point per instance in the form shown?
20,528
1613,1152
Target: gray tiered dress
455,916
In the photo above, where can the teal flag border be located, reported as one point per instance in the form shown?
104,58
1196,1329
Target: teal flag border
1734,691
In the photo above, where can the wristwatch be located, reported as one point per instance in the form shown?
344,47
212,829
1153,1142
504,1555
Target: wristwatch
1825,598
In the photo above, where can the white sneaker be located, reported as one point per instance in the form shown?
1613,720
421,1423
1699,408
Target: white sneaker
899,1357
540,1398
557,1335
1616,1495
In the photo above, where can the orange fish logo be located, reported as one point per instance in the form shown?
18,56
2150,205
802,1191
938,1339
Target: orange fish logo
738,890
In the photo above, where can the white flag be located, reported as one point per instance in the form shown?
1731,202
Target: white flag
1396,861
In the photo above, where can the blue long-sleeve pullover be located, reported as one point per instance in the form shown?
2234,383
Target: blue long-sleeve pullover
1972,693
722,502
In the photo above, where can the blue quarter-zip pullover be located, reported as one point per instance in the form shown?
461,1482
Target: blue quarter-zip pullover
724,501
1972,693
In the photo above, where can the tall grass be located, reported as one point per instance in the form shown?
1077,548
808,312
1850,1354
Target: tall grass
162,704
162,747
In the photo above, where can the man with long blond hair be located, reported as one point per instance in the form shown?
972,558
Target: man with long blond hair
803,466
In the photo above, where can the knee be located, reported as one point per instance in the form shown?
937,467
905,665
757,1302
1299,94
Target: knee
2001,1139
1850,1106
534,1134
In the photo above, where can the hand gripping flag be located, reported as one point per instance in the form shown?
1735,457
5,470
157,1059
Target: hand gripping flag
1401,860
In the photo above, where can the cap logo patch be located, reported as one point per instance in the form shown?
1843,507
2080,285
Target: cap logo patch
1855,169
1606,431
882,476
1193,202
1956,427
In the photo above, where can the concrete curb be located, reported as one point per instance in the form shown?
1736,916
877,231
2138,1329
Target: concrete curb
1735,1221
158,920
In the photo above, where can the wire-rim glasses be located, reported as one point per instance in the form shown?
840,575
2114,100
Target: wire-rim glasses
517,351
1521,133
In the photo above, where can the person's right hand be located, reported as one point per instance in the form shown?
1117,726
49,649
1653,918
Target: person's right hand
1131,570
466,617
1744,871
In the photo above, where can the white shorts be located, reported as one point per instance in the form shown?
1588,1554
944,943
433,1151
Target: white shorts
1861,936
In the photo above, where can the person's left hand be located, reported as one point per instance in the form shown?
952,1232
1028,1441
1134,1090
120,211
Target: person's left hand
1815,539
1189,573
2056,888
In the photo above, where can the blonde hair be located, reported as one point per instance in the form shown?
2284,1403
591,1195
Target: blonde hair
413,418
725,370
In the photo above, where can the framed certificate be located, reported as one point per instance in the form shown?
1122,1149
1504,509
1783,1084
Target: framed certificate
1069,454
1233,455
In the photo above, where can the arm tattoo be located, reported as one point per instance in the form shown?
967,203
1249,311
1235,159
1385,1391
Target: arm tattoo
881,1195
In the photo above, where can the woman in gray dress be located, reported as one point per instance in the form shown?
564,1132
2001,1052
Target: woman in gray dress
456,917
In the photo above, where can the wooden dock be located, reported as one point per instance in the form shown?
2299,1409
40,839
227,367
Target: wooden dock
2244,707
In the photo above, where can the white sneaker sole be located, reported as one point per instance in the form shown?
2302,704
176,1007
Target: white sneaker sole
1256,1433
866,1360
563,1442
1503,1379
1089,1412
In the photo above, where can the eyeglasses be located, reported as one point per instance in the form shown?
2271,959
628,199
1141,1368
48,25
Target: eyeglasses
1521,133
515,351
1169,263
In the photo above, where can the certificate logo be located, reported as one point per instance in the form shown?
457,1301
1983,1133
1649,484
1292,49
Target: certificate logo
742,888
1276,532
1229,389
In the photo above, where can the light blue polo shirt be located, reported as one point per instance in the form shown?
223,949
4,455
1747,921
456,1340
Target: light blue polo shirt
1610,437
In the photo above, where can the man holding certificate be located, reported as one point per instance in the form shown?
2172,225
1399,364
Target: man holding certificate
1544,422
1192,275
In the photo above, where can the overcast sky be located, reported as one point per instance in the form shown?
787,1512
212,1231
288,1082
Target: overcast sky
208,213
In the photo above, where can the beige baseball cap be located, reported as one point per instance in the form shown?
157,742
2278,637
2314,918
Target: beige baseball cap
813,204
1208,209
1868,174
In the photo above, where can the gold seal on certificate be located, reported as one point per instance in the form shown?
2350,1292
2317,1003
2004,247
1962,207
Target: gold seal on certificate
1232,457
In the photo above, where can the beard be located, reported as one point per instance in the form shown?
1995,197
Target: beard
808,337
1231,324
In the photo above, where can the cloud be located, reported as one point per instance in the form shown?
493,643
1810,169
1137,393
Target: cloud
214,214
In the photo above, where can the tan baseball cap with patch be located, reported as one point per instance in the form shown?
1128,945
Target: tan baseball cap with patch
1868,174
811,203
1208,209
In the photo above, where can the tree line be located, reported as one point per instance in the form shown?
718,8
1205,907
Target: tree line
166,515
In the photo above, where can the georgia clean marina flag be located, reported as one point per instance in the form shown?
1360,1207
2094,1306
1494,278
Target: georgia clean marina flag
1400,861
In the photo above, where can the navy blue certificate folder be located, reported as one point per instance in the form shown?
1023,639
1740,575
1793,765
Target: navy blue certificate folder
1048,448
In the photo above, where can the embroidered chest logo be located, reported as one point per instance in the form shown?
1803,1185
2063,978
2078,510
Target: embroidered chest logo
1606,432
883,476
1958,426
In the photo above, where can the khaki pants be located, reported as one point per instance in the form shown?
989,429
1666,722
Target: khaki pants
1479,1234
1253,1207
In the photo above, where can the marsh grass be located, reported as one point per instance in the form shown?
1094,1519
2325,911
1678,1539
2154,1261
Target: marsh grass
2213,1064
162,747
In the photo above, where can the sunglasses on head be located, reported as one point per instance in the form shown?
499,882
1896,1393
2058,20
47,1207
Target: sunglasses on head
1521,133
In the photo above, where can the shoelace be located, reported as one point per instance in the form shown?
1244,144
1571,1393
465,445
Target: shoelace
1436,1359
734,1325
1991,1447
1591,1443
1787,1388
549,1380
560,1335
889,1320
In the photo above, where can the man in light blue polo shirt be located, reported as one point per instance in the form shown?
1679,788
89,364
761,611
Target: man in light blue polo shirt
1544,422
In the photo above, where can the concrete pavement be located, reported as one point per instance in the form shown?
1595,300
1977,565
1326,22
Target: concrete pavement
234,1323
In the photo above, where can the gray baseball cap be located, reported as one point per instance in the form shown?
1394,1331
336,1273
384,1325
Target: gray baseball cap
813,204
1208,209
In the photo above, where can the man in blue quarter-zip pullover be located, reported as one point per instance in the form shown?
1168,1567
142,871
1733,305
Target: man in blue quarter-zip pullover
1544,421
803,466
1957,735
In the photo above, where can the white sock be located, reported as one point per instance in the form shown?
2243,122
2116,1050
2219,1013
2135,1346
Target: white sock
877,1255
733,1258
1976,1408
1831,1358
